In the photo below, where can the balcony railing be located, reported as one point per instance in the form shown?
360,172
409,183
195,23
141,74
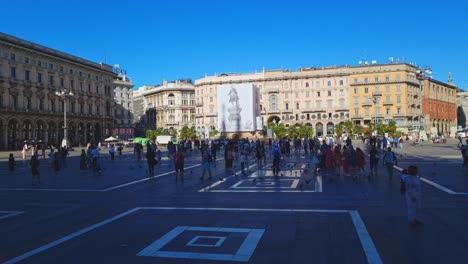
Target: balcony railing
388,103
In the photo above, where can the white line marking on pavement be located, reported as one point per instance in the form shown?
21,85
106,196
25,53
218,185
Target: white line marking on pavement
68,237
438,186
96,190
9,214
146,179
364,237
208,188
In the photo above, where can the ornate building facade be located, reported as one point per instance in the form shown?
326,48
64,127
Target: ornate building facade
317,97
30,76
123,111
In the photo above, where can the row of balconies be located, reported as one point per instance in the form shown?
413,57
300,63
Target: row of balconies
413,81
24,110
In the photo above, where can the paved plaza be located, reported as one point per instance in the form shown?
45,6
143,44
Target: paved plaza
124,216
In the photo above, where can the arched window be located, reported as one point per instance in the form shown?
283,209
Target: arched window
13,102
171,99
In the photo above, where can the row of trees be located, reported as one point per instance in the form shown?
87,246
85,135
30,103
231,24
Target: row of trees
348,127
185,133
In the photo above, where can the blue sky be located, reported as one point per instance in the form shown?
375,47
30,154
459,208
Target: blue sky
156,40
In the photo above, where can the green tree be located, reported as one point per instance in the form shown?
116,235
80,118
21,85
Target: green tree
305,131
371,127
348,126
358,129
381,128
213,133
279,129
339,129
294,131
391,127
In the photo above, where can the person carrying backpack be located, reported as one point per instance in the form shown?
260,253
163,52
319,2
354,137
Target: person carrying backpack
276,155
389,160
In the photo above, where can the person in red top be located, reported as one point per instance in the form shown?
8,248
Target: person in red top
179,164
361,161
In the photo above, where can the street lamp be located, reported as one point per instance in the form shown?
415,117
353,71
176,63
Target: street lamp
375,101
65,95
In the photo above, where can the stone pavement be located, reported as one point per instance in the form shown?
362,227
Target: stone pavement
124,216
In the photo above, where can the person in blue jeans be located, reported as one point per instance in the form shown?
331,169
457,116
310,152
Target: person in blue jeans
389,160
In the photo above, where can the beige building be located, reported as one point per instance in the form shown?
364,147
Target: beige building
383,92
173,102
123,111
317,97
30,76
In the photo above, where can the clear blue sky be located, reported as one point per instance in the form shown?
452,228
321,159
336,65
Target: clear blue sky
172,39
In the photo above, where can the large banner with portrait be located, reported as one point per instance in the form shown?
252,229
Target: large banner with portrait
237,107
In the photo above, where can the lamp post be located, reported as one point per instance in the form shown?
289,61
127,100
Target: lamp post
420,74
64,94
374,100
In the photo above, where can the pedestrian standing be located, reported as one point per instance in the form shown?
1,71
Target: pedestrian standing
11,163
112,151
83,165
56,163
35,169
24,151
276,156
412,188
389,160
337,160
43,150
179,164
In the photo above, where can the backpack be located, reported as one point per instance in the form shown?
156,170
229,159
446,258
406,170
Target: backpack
276,154
390,158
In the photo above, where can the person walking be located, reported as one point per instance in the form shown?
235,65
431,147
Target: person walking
373,161
361,161
412,191
56,163
389,160
83,165
337,160
150,159
35,169
95,161
11,163
179,164
276,156
206,159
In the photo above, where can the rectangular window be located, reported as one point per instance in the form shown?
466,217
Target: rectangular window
97,89
341,92
26,60
377,110
398,99
318,94
211,99
286,106
297,95
307,93
26,75
356,111
319,104
366,80
329,103
12,56
297,106
81,86
366,90
328,83
39,77
355,90
329,93
366,111
72,84
307,105
387,78
387,98
307,85
317,84
51,80
286,85
296,85
398,110
398,88
387,111
211,110
397,78
286,95
13,72
356,80
376,79
62,82
341,82
51,66
89,88
387,89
